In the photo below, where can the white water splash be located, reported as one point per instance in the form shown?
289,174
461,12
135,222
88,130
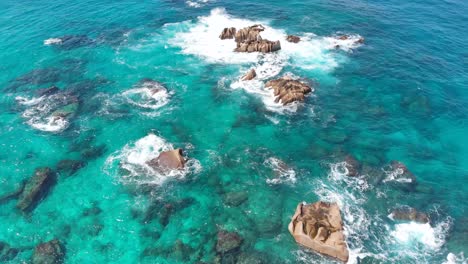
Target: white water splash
283,173
149,95
133,160
52,41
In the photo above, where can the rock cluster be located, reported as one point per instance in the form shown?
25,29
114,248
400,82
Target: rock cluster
287,90
318,226
249,40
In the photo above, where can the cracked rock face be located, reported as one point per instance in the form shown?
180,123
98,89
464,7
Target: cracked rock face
287,90
319,227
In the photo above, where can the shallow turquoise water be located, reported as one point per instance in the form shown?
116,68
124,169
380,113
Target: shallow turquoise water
400,96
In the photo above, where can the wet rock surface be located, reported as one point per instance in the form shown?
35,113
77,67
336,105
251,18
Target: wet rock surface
168,160
228,33
287,90
318,226
293,39
249,75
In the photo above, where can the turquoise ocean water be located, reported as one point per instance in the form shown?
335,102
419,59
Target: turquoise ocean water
400,96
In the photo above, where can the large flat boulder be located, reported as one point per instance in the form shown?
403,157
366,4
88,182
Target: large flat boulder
287,90
318,226
168,160
35,189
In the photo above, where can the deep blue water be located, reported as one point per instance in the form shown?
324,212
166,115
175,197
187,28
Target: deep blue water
400,96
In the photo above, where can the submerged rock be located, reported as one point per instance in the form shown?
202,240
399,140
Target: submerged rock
35,189
318,226
227,242
69,42
409,214
235,198
398,174
250,75
228,33
14,194
69,166
293,39
51,252
7,253
288,90
47,91
352,166
171,159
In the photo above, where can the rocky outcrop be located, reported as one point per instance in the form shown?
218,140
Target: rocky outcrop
352,166
249,40
35,189
293,39
227,242
250,75
228,33
287,90
318,226
51,252
168,160
409,214
264,46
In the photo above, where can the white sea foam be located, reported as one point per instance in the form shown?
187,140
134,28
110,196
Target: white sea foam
456,259
133,158
39,111
202,39
283,173
52,41
49,123
147,97
29,102
408,234
348,44
197,4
